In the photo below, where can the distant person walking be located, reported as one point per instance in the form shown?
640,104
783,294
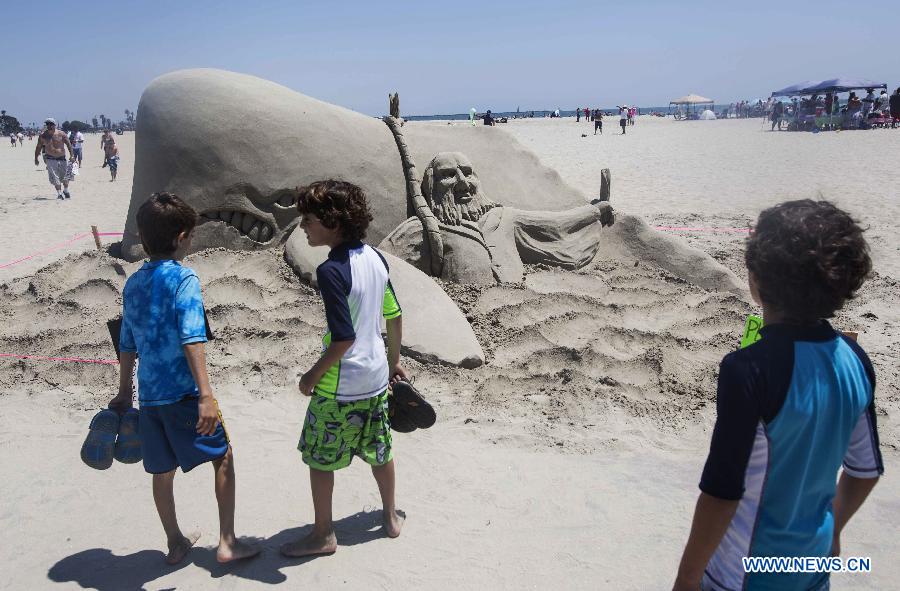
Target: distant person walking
623,117
598,121
77,141
21,138
110,153
777,115
53,143
895,108
12,140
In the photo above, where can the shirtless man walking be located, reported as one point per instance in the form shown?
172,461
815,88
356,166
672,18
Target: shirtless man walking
54,142
111,153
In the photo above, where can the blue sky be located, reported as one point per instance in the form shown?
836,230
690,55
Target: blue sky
77,59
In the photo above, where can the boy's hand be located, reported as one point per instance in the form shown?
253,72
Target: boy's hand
307,383
398,374
209,416
120,403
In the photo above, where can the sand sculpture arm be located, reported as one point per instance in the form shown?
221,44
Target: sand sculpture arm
417,200
567,239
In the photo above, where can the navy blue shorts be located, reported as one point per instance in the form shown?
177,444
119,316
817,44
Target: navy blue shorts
169,437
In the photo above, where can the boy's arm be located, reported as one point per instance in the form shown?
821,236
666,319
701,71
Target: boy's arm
395,338
37,149
851,493
122,401
711,519
195,353
331,357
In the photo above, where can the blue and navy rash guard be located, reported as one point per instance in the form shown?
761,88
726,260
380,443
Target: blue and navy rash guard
357,292
792,409
162,312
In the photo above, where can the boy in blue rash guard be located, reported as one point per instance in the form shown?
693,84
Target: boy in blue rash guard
164,323
792,409
348,385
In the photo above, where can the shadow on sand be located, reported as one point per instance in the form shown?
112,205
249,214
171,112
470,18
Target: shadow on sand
99,568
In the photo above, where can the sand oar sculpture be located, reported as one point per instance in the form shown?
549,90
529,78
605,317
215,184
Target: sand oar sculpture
416,201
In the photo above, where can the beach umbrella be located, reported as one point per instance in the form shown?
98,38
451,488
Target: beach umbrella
799,88
843,85
691,99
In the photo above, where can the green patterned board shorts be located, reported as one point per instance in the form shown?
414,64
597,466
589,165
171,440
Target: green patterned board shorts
334,432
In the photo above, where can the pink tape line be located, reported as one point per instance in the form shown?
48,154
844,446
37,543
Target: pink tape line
71,359
57,247
687,229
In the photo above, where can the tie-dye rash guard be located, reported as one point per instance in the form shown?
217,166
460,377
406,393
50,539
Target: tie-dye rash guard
162,312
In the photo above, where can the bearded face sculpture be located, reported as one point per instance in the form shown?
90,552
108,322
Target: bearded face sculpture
453,190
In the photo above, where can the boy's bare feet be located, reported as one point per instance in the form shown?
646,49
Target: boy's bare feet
235,550
180,548
393,523
311,545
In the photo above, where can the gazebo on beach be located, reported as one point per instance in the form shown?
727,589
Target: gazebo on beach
686,106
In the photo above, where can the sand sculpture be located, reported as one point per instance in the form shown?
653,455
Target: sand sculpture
235,147
485,242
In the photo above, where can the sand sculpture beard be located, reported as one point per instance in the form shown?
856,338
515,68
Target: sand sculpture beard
453,190
246,214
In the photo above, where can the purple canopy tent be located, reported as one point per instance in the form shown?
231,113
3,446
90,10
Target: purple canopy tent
834,85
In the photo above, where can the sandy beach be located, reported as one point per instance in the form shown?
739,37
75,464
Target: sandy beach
569,461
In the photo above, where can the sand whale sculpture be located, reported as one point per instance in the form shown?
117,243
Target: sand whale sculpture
235,147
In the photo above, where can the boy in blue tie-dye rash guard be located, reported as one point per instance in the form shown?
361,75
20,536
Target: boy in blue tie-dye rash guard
163,322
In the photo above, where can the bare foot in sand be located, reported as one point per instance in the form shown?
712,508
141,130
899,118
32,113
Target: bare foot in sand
180,548
235,550
311,545
393,523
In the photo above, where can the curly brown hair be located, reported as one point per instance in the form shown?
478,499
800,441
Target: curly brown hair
336,204
808,258
161,219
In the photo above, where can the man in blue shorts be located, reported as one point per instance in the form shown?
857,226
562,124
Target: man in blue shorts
163,322
793,408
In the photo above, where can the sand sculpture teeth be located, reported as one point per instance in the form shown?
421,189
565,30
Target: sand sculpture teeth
245,223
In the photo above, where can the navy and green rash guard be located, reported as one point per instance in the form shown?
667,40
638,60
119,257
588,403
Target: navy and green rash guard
357,293
792,409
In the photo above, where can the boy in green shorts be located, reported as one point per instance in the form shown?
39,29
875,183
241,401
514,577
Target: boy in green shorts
348,385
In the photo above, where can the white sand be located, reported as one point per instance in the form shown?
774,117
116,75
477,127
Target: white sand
589,425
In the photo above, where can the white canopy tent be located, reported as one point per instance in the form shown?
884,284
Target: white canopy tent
686,105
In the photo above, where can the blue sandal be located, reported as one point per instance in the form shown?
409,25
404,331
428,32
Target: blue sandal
98,447
128,444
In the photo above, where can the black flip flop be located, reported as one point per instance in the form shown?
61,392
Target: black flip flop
398,417
407,398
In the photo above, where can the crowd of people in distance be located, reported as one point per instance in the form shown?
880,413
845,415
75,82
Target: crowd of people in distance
627,116
826,111
52,145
